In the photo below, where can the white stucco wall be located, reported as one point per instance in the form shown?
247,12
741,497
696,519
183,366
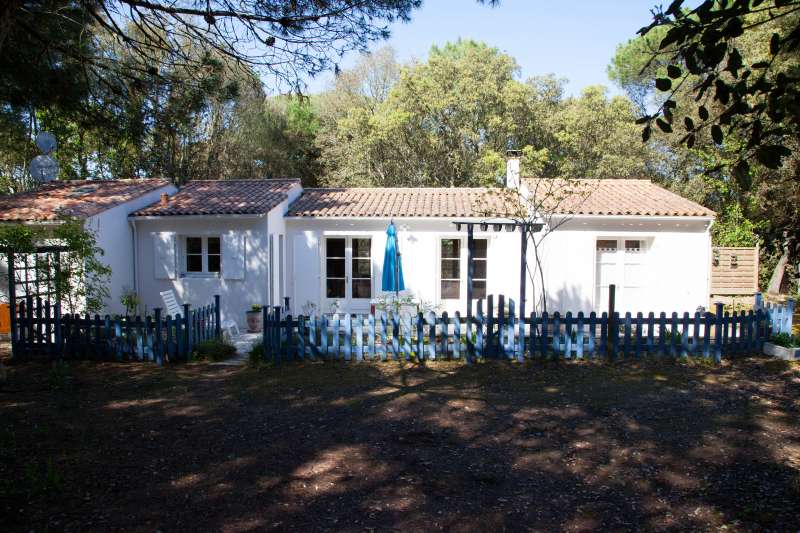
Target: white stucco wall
236,295
676,263
676,267
419,244
115,237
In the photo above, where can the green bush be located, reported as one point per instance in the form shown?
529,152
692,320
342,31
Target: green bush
785,340
213,350
256,355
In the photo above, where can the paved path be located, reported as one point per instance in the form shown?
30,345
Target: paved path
243,342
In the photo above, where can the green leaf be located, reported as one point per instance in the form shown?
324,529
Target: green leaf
664,125
741,173
663,84
690,141
673,71
774,44
716,133
770,155
702,112
646,133
689,123
723,91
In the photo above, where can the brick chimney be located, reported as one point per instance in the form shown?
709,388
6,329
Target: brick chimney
512,168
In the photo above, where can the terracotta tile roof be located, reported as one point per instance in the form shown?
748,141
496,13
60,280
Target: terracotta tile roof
611,197
78,198
223,197
397,202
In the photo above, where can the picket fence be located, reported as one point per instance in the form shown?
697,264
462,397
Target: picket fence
499,334
41,331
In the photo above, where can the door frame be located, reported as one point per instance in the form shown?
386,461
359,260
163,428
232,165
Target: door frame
348,303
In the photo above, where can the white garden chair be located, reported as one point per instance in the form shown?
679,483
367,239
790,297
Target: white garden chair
173,308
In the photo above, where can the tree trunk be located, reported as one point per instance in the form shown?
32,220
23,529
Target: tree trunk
776,280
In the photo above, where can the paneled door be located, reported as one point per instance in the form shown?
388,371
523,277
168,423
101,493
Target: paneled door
348,273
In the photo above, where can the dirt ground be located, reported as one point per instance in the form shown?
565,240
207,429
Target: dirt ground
390,447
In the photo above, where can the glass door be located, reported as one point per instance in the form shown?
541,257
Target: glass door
360,273
348,273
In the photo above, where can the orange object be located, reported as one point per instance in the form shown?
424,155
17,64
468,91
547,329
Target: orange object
5,319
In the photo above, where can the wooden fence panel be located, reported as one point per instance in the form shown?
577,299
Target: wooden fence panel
43,331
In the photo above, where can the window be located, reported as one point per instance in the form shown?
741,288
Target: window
348,268
362,268
450,269
335,266
203,255
479,262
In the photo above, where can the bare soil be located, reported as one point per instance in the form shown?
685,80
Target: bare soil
397,447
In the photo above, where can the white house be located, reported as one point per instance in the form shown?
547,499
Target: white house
652,244
259,241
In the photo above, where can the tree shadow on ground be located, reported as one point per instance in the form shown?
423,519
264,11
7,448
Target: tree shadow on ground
328,446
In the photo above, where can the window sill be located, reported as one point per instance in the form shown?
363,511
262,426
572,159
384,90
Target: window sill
200,275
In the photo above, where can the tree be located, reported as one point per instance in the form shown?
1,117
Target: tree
745,88
283,41
753,202
597,138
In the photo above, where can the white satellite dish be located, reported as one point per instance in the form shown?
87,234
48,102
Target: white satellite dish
46,142
44,168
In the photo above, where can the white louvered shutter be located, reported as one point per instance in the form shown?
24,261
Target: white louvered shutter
164,255
233,253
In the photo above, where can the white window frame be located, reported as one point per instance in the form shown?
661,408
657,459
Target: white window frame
204,255
348,300
461,277
462,271
621,258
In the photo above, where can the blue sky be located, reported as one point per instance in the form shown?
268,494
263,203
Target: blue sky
574,39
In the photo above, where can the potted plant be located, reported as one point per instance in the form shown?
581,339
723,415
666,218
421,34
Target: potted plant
255,320
783,346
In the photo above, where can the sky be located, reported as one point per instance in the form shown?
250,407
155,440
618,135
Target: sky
573,39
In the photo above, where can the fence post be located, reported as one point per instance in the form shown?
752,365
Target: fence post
12,303
276,334
759,301
788,316
187,323
159,347
217,317
57,330
718,332
612,332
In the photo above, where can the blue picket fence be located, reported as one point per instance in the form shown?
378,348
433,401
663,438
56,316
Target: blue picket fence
498,333
40,331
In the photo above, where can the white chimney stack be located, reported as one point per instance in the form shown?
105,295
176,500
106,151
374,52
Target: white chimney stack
512,168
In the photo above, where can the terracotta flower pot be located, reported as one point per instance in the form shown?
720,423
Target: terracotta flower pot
255,321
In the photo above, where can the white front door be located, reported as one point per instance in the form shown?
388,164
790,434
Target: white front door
621,262
348,273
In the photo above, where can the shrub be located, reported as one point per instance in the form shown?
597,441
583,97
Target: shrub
213,350
785,340
256,355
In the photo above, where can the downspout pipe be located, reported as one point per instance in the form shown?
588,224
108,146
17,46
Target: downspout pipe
135,244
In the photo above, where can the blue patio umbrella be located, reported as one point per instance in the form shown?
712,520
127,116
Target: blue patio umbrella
392,265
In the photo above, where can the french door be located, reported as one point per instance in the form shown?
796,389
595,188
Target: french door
623,263
348,273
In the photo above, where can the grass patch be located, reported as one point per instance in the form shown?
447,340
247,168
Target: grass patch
213,350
